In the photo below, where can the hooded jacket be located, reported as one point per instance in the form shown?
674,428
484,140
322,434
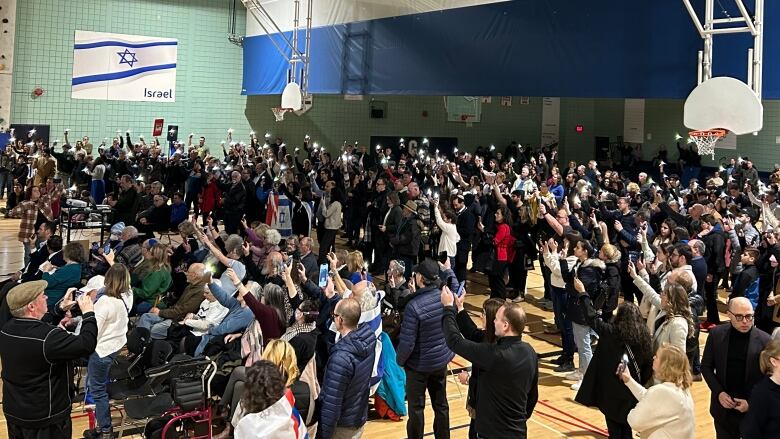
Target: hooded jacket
590,273
344,395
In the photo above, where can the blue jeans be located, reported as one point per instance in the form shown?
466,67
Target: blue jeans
157,326
561,321
97,380
584,350
141,308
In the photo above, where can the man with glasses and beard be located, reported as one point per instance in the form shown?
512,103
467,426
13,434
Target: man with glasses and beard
730,366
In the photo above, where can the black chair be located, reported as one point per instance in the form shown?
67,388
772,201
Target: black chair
186,403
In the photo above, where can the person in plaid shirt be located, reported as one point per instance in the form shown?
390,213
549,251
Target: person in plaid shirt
28,210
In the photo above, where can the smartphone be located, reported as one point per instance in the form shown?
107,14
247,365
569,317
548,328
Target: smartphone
107,249
623,364
77,294
461,287
323,281
289,261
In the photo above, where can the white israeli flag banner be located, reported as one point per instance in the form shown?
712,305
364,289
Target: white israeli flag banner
120,67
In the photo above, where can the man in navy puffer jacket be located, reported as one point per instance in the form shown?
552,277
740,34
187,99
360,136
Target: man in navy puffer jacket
343,400
424,353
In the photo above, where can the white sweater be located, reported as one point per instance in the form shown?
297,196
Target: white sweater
449,235
111,316
664,411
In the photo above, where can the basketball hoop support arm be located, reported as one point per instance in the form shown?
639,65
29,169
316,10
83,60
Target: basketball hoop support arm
712,26
298,59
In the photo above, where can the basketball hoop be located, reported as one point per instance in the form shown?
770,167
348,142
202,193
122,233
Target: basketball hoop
705,140
279,113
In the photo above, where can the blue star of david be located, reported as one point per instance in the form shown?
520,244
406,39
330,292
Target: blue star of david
124,57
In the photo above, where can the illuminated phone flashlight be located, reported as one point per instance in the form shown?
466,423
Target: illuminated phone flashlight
492,147
316,146
384,161
32,132
677,136
401,140
428,192
378,147
306,137
455,150
512,160
222,143
67,130
425,141
267,135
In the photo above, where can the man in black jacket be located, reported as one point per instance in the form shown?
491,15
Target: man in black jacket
35,359
406,239
465,224
125,206
730,366
507,384
711,233
234,203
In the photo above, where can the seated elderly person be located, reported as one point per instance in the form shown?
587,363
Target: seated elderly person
59,279
156,219
128,251
238,317
228,257
271,271
159,318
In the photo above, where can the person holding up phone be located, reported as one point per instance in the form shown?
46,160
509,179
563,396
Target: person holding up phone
626,339
666,409
36,357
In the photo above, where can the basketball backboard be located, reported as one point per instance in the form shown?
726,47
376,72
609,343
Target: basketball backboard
724,102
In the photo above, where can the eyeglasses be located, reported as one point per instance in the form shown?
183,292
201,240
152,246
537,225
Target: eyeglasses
743,317
333,315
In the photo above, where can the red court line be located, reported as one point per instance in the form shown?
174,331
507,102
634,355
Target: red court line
591,426
600,433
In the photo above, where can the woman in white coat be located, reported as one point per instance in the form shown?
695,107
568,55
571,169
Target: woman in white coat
664,411
449,232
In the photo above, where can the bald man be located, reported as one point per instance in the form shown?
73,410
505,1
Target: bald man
730,366
158,320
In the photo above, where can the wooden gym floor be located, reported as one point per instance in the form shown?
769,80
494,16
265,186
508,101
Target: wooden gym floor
556,414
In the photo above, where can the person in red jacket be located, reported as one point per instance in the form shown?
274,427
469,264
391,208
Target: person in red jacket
211,196
505,252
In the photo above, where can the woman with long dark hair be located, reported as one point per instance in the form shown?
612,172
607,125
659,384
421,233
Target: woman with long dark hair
625,337
504,244
471,332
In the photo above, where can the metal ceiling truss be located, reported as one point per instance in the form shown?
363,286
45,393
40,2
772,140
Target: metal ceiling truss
746,23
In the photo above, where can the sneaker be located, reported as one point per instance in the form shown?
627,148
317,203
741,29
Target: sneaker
565,367
574,376
92,433
576,386
552,330
518,299
560,360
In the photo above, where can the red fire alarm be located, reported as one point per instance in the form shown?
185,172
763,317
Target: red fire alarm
579,128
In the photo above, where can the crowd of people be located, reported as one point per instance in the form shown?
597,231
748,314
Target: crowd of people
632,260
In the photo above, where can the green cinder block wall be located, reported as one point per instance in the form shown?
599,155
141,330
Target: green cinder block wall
209,75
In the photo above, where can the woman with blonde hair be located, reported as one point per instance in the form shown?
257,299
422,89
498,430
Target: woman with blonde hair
356,268
666,409
111,308
762,420
678,324
282,355
610,255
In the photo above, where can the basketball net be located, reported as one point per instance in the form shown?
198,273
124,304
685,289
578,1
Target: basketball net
705,140
279,113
